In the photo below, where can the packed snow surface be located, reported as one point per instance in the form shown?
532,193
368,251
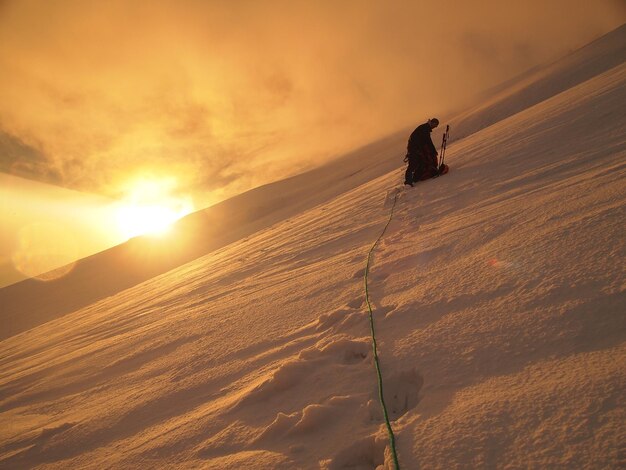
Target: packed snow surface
499,302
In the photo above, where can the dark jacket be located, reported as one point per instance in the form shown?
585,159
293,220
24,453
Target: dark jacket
420,142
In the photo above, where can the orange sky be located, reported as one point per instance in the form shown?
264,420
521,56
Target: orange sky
44,227
230,95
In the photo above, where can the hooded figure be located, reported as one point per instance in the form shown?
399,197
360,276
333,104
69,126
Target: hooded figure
421,154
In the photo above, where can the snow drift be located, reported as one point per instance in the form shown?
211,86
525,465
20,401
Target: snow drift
499,303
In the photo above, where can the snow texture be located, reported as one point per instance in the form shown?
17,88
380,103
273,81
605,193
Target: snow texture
498,294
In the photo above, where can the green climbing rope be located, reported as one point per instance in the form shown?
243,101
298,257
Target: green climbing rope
392,440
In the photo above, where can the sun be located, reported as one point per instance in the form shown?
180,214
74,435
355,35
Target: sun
150,208
138,220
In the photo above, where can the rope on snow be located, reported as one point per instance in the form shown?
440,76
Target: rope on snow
392,440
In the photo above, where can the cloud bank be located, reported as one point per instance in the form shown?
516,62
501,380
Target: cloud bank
230,95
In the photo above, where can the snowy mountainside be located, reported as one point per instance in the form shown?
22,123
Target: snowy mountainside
499,299
542,82
30,303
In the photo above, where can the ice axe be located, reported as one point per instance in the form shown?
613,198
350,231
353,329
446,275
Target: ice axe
444,142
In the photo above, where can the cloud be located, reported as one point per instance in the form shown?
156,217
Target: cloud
22,160
229,95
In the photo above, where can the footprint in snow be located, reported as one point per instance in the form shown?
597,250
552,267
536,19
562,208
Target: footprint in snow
310,418
341,319
339,349
369,452
402,392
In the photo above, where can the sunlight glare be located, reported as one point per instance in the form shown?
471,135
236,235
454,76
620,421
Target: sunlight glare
46,251
150,209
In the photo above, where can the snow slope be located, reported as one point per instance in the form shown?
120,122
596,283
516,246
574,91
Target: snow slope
30,303
499,299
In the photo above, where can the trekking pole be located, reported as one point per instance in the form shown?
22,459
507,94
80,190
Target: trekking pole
444,142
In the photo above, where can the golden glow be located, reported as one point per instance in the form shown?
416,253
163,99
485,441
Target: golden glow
45,251
150,209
